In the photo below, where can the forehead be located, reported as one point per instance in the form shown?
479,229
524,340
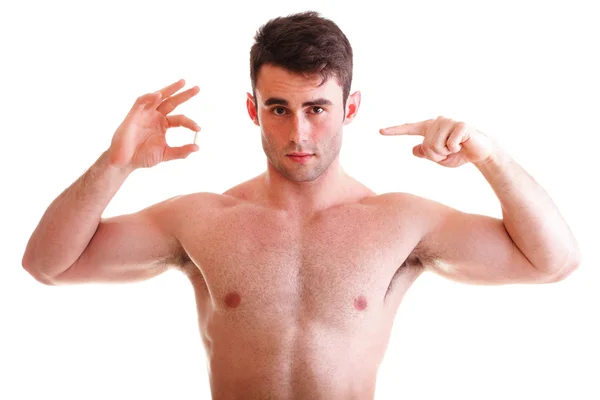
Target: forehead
274,81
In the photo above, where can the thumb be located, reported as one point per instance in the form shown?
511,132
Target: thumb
175,153
418,151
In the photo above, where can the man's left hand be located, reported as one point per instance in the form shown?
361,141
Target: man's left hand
447,142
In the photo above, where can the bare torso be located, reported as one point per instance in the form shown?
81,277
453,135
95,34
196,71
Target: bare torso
296,307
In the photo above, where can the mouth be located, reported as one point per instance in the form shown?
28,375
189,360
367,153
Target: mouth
300,157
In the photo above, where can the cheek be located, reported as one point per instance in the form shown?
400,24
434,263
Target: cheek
272,140
271,123
327,128
269,128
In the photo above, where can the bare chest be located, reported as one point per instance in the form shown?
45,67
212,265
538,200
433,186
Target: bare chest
350,261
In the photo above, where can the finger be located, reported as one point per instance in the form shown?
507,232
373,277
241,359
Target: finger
152,100
416,128
176,153
428,145
418,151
439,139
452,161
147,100
155,101
182,120
171,103
456,137
172,88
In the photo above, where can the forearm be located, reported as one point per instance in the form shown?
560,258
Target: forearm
530,216
71,220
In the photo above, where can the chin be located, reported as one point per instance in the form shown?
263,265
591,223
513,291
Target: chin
296,176
297,173
302,175
305,178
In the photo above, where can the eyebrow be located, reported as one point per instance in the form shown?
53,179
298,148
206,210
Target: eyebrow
317,102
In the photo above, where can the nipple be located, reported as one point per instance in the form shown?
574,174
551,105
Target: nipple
360,303
232,299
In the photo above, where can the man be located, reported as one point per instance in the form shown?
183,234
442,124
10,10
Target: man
298,272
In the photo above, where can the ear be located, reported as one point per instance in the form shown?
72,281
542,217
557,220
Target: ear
352,106
252,110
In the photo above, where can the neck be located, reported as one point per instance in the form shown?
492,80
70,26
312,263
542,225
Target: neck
305,198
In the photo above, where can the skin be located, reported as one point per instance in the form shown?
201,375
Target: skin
299,271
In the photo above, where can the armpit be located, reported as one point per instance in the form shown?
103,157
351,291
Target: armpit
181,261
412,266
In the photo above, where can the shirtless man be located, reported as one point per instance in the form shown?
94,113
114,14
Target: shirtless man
299,271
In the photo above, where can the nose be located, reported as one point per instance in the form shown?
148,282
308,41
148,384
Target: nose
300,129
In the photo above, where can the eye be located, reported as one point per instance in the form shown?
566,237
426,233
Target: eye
317,110
278,110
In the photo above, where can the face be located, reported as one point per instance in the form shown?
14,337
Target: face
296,115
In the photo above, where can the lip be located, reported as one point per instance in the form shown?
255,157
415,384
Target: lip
300,157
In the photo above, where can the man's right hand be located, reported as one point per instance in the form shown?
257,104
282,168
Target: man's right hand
140,140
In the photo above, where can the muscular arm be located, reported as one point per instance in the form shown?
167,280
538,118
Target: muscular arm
73,244
530,244
71,220
128,248
530,217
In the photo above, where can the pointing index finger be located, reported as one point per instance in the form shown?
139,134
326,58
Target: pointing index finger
415,128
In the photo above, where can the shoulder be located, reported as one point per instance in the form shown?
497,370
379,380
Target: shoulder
184,208
190,216
176,212
206,199
399,202
422,206
423,215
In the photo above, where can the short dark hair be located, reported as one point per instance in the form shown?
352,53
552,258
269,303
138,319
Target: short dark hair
304,43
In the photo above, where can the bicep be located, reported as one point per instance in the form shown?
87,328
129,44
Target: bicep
126,248
472,248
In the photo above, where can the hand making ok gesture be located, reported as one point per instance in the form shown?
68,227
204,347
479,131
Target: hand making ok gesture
140,141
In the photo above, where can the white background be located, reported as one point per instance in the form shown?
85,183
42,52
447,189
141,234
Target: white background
525,73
